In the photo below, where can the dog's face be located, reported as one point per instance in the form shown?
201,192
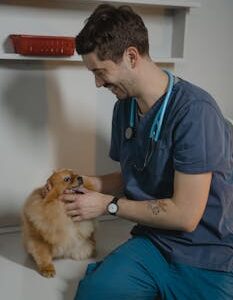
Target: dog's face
65,179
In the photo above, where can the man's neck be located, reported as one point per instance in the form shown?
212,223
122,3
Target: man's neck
152,84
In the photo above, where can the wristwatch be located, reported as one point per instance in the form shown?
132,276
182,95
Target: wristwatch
112,207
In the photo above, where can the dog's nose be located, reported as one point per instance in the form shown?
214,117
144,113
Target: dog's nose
80,180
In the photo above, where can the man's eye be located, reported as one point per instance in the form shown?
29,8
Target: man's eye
67,179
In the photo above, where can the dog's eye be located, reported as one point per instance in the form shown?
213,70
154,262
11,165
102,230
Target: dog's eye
67,179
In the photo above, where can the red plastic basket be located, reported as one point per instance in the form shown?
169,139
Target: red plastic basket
43,45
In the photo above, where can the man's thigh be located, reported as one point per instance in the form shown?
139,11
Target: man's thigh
191,283
137,270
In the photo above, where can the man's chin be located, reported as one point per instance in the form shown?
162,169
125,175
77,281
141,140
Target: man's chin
121,96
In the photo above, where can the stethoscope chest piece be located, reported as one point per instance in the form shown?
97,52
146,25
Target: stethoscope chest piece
129,133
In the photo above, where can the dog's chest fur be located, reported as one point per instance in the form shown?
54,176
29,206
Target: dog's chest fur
55,227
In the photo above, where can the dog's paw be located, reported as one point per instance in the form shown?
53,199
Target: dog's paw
47,271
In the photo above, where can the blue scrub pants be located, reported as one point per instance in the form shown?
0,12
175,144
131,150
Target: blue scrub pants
137,270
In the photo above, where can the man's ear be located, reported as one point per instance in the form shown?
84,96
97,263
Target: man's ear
132,56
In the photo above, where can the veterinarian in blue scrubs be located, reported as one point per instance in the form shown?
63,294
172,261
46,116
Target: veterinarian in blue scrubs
175,150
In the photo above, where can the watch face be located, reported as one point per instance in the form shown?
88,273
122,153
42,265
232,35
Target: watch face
112,208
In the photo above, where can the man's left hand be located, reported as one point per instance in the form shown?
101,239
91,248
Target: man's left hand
85,205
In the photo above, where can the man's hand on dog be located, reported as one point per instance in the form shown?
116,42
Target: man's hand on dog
85,205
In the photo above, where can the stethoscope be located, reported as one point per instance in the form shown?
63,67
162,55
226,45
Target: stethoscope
156,125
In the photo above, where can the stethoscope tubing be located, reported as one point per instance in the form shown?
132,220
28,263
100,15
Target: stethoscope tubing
160,116
156,125
158,120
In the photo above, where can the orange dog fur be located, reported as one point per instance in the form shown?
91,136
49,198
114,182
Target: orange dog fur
47,230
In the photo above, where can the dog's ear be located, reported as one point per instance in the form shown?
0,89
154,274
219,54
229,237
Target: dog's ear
49,184
50,181
46,188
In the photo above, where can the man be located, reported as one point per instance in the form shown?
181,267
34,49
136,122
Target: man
175,151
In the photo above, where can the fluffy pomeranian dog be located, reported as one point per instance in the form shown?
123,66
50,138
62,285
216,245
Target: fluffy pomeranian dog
47,230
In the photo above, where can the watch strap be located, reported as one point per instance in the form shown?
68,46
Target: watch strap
115,200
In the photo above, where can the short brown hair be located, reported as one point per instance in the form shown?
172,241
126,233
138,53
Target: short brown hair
110,31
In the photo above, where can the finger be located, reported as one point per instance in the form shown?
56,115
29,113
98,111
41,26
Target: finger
70,206
72,213
83,190
77,218
69,192
68,197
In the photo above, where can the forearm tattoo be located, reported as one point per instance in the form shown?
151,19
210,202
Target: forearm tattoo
156,206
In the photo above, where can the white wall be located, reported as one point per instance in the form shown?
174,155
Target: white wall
51,114
209,50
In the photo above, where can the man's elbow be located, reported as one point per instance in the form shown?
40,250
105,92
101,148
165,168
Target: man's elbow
189,226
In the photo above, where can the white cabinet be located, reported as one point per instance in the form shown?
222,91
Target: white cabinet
165,20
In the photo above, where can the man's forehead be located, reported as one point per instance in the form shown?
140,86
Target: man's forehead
92,62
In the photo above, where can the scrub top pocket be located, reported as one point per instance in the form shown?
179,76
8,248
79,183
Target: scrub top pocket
157,176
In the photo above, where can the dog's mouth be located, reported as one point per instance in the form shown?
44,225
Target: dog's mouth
76,189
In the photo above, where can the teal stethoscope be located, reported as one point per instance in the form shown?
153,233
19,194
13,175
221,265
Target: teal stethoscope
156,126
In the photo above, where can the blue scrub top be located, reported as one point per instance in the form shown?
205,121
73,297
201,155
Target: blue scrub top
195,138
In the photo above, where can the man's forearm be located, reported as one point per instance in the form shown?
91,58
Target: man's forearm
162,214
182,212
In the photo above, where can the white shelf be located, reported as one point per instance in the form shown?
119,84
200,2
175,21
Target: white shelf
166,19
13,56
161,3
75,58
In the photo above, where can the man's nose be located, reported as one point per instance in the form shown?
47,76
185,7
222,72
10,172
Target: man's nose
98,82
